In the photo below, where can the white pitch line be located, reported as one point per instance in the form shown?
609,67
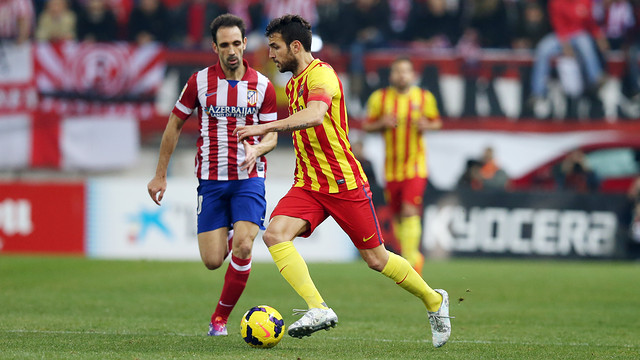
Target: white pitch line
499,342
486,342
94,333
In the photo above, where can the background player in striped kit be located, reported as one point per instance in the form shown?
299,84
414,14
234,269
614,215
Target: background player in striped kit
402,112
230,174
329,181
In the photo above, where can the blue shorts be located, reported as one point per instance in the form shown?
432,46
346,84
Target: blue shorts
223,203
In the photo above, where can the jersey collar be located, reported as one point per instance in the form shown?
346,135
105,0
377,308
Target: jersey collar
311,65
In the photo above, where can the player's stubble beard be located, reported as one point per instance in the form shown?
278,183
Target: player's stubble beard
290,63
402,88
230,66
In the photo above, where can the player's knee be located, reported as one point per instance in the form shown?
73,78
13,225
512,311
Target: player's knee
271,238
375,258
242,250
213,263
409,210
376,263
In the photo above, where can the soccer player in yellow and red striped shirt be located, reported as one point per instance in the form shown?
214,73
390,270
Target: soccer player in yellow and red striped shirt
329,181
403,111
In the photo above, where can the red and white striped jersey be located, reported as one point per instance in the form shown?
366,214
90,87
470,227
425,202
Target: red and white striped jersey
10,12
222,106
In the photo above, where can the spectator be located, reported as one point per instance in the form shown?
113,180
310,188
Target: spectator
489,19
432,25
468,48
149,22
471,178
329,26
191,20
122,10
399,16
573,32
304,8
366,25
252,12
619,21
574,174
57,22
483,174
621,28
16,19
97,22
531,27
366,22
633,55
492,176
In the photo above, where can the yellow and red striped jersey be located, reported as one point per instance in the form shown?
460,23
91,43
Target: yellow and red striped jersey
324,160
405,148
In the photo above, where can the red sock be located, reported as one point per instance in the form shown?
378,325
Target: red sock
235,281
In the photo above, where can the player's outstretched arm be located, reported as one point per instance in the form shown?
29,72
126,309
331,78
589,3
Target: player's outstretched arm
311,116
158,184
252,152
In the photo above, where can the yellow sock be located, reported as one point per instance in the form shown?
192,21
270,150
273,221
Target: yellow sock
409,232
295,271
399,270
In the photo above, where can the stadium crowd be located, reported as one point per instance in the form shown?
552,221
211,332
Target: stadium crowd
582,29
433,23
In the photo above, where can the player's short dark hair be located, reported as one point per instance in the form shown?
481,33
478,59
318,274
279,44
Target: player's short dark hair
226,20
400,59
291,27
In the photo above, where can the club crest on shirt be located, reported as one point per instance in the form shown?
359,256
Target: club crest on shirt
300,91
252,97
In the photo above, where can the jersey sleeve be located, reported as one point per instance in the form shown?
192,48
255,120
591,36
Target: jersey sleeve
374,106
269,108
323,84
188,99
430,109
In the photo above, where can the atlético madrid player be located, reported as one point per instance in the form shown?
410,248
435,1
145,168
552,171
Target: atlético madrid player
231,193
329,181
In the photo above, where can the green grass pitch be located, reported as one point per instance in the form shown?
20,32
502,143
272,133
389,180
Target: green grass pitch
75,308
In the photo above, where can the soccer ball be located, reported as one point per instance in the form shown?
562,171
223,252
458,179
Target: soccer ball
262,326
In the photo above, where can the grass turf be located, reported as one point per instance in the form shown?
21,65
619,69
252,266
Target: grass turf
75,308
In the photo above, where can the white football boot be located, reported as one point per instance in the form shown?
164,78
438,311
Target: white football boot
313,320
441,321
